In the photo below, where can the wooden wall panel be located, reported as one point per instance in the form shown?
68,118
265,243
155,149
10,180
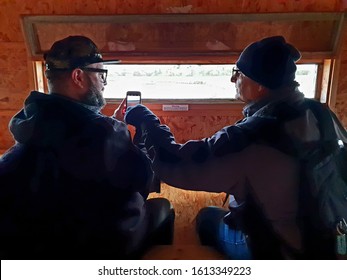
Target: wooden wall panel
187,205
5,135
14,67
15,74
11,100
195,128
341,90
341,106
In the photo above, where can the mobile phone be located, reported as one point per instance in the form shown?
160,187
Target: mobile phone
133,98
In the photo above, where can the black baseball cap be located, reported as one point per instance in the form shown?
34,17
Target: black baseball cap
73,52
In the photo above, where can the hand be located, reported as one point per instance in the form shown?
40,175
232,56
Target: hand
120,111
140,114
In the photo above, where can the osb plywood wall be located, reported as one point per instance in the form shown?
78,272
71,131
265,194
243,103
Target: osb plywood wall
16,80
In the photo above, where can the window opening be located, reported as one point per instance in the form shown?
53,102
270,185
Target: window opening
187,81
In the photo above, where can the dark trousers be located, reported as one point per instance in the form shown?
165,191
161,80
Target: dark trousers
160,228
157,228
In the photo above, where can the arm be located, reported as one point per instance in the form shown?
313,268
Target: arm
209,164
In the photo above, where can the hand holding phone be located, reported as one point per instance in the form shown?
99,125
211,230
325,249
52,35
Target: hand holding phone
118,114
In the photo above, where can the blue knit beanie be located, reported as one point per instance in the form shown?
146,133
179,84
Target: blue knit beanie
270,62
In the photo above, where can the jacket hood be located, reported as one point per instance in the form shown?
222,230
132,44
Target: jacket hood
47,119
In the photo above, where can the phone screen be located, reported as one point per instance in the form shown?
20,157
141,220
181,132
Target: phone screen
133,98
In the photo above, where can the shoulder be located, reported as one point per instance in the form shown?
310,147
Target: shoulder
11,157
109,125
108,130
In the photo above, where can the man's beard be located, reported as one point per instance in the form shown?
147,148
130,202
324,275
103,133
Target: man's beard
94,98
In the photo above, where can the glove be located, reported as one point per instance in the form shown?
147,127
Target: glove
140,114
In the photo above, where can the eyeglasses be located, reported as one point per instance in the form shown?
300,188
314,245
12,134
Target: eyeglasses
235,72
103,72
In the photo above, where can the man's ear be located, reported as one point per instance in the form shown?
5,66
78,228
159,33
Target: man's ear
78,77
260,92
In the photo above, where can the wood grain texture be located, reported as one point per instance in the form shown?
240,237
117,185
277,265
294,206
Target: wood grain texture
13,68
187,205
5,135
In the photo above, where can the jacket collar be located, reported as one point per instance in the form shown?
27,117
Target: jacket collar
260,107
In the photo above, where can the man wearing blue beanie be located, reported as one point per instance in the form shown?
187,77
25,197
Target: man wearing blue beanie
252,160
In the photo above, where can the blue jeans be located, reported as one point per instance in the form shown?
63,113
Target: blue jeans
214,232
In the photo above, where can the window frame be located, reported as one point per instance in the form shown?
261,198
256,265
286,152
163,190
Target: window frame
40,31
322,93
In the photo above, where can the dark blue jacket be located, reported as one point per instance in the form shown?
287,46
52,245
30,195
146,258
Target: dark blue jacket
231,161
72,178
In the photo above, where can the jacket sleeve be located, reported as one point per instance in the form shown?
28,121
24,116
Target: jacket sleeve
209,164
125,164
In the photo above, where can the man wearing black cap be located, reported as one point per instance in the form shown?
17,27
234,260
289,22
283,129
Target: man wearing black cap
260,177
74,186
